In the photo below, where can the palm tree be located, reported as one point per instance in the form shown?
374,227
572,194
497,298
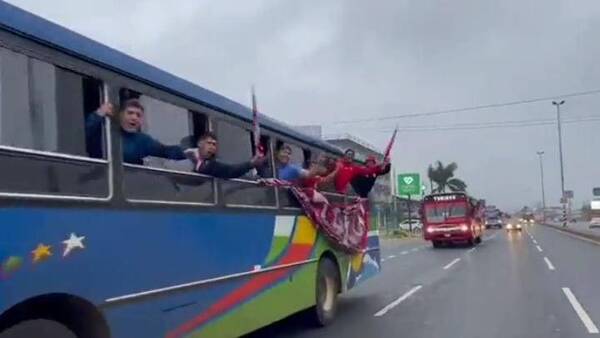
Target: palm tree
443,177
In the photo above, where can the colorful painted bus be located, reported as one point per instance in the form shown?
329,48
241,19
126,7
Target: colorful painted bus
91,247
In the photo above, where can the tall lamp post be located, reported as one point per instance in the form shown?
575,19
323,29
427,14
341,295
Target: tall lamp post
540,155
562,170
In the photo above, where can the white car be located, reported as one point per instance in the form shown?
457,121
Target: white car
595,222
416,224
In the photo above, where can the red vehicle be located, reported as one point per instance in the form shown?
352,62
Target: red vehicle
450,218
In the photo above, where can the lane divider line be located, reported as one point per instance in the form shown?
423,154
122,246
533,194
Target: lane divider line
391,256
585,318
539,249
404,252
471,250
535,242
397,301
449,265
550,266
414,249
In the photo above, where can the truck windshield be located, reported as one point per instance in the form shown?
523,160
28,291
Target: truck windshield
441,212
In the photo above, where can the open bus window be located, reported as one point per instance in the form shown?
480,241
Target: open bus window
153,135
266,170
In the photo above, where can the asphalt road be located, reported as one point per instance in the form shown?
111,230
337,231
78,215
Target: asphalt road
538,283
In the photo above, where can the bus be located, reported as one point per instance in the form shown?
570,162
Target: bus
93,247
454,217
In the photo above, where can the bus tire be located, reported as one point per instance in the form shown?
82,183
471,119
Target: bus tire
326,292
436,244
38,328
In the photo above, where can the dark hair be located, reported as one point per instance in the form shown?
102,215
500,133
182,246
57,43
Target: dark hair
135,103
207,135
285,146
349,151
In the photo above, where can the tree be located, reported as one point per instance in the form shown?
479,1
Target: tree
443,177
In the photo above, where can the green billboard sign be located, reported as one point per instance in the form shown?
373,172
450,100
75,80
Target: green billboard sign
409,184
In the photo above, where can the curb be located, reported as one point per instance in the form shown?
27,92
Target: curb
592,238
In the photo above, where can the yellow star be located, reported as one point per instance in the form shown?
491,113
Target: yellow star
41,253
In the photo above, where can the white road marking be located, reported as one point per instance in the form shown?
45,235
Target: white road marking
550,266
471,250
449,265
383,260
404,252
587,321
534,241
397,301
391,256
414,249
539,249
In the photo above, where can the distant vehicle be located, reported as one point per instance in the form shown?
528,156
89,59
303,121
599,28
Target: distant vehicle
450,218
527,218
416,225
493,222
595,222
514,226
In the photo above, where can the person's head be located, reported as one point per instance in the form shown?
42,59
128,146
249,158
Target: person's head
132,115
207,145
371,161
349,155
284,153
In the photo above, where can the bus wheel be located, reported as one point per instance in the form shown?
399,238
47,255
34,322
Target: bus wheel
436,244
328,281
38,328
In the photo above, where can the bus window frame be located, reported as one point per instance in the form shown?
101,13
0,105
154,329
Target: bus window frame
31,49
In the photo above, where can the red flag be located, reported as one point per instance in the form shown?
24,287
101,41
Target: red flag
388,149
256,126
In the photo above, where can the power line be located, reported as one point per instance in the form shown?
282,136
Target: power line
471,108
502,124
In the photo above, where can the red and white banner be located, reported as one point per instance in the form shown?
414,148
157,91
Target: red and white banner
346,226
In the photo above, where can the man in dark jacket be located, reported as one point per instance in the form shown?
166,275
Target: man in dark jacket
363,184
135,144
205,162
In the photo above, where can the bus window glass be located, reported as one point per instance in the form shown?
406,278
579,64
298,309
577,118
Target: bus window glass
36,98
234,144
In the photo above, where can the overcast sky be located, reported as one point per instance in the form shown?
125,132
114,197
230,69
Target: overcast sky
318,62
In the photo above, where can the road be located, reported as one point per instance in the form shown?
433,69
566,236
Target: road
538,283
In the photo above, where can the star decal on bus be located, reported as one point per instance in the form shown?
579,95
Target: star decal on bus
41,253
73,242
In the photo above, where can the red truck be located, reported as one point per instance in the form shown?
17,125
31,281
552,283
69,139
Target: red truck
450,218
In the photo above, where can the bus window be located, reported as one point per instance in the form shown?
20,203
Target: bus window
163,179
234,143
42,136
265,171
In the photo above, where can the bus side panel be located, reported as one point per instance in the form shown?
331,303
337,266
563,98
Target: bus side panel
125,254
364,265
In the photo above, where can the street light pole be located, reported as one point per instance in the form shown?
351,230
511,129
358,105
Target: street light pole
560,152
540,155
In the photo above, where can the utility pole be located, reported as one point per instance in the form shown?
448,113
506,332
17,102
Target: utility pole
540,155
560,152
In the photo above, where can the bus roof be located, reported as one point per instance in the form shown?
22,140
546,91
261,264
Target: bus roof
43,31
446,197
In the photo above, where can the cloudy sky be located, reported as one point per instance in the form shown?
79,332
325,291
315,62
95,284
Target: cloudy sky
321,62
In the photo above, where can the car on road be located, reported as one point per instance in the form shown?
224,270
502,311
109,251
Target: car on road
514,226
493,222
595,222
415,224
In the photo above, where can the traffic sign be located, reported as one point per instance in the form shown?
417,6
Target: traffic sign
596,191
568,193
409,184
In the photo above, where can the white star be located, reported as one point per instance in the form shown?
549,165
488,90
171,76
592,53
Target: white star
72,243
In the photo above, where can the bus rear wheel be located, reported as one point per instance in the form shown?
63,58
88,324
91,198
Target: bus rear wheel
327,290
437,244
38,328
